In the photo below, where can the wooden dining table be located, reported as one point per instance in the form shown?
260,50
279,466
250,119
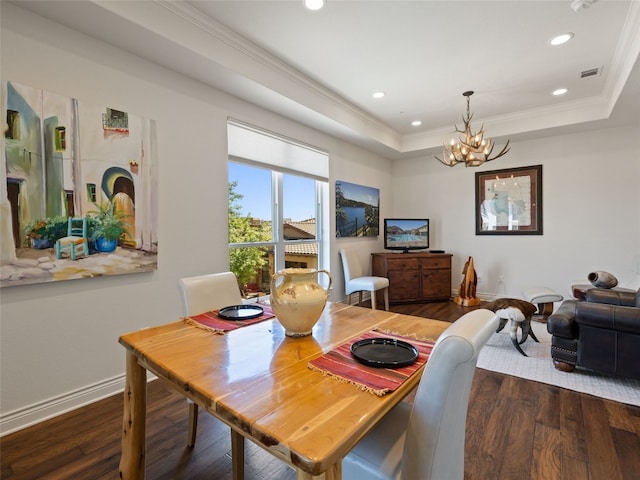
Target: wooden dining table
257,380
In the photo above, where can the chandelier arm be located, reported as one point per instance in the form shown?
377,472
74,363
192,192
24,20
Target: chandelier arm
488,154
452,163
504,150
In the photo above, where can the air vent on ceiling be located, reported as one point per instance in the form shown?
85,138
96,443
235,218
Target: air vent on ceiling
592,72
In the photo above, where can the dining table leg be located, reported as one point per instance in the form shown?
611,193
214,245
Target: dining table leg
132,459
333,473
237,455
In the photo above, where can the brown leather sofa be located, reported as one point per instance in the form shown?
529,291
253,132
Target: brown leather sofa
601,333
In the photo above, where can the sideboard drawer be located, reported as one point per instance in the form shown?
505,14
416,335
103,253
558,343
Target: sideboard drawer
437,262
403,263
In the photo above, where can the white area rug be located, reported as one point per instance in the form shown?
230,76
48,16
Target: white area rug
499,355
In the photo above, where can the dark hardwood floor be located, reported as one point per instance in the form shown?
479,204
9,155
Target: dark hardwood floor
516,429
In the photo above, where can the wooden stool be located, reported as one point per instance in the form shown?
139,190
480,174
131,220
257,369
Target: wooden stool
544,298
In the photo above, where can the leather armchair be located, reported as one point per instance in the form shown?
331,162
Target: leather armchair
601,333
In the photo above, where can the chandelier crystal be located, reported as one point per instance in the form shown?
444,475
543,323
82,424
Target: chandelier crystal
472,149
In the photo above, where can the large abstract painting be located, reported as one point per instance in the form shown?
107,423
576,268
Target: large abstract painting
78,193
357,210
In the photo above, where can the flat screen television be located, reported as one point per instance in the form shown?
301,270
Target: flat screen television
406,234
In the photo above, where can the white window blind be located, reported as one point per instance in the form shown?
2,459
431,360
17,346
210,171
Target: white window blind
260,146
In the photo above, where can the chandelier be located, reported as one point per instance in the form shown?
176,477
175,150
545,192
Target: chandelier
472,149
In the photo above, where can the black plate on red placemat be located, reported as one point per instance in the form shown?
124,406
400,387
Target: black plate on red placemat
240,312
384,352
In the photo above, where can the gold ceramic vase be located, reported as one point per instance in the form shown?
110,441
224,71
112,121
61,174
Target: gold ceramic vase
297,299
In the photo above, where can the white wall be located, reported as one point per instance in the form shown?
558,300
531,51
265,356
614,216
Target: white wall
59,341
591,211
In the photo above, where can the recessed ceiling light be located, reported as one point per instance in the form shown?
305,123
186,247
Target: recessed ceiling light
560,91
560,39
314,4
379,95
416,123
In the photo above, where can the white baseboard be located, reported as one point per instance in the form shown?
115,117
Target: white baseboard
30,415
484,296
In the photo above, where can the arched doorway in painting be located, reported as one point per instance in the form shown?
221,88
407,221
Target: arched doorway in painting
117,184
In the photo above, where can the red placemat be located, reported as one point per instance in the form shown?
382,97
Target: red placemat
212,323
339,363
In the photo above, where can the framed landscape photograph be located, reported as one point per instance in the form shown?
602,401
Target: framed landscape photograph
357,210
509,201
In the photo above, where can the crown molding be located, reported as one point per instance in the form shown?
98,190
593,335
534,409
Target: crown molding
349,115
267,81
625,57
567,113
284,73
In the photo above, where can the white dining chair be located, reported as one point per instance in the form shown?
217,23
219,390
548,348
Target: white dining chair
356,281
426,440
200,294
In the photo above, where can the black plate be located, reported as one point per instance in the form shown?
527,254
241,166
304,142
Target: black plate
384,352
240,312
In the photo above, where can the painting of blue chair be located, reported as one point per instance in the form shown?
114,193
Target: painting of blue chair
76,242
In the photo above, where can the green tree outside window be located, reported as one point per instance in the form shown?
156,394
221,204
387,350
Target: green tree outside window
245,262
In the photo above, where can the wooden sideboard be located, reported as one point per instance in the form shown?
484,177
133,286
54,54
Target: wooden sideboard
414,277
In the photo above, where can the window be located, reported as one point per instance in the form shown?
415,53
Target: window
115,120
272,223
276,214
61,139
91,192
13,125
